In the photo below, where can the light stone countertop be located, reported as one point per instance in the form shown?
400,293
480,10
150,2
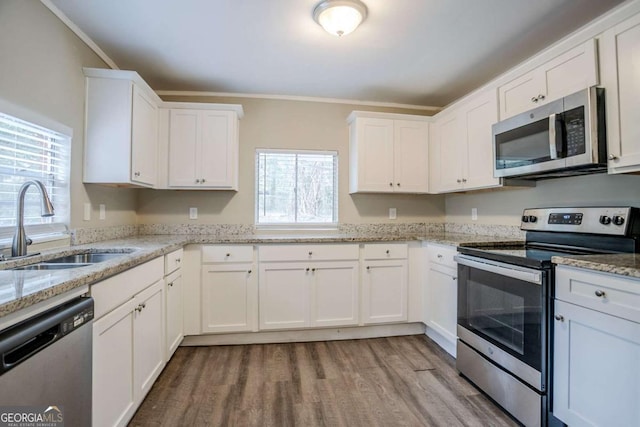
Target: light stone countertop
621,264
20,289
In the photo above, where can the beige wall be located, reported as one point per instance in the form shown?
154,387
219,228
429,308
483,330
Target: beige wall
505,206
41,64
285,124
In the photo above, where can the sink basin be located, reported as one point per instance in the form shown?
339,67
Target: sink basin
90,258
45,266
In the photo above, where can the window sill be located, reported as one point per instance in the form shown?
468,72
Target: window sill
297,227
40,243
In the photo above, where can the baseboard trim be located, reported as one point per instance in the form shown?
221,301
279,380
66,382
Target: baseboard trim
306,335
446,344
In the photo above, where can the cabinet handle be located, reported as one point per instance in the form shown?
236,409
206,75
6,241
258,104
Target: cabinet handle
612,157
600,294
559,317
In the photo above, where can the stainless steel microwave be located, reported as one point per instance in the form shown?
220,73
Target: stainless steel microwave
564,137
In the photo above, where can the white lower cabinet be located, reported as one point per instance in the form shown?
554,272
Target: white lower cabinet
175,315
229,289
441,296
596,356
385,276
334,294
128,341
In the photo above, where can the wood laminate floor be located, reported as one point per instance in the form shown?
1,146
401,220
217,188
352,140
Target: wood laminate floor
398,381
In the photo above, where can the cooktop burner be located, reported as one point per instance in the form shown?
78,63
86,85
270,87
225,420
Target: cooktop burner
567,231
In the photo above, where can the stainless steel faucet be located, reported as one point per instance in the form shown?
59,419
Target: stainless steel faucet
20,242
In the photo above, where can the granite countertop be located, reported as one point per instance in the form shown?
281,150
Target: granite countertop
22,288
622,264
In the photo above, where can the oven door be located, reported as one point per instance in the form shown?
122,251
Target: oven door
501,314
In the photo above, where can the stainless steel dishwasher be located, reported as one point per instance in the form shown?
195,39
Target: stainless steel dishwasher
46,365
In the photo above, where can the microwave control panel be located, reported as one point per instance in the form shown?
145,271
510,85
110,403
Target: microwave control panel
574,131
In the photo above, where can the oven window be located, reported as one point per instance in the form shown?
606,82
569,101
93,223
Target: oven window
505,311
523,146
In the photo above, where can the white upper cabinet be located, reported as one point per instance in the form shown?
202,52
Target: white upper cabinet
121,144
461,147
388,153
567,73
620,53
202,145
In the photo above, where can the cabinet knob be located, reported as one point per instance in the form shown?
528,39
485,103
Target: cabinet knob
202,180
398,184
139,308
600,294
313,270
136,174
307,269
439,255
368,268
559,317
170,284
391,184
454,278
228,255
249,272
178,260
464,179
541,97
534,99
612,157
387,251
458,181
197,181
310,253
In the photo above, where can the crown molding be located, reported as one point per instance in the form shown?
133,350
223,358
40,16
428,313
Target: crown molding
296,98
81,34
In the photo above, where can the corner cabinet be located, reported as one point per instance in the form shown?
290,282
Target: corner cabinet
121,135
565,74
388,153
619,50
202,144
596,356
461,146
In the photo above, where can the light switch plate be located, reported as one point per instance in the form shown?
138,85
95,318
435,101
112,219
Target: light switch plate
193,213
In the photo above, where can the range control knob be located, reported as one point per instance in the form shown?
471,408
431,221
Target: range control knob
525,218
533,218
605,220
618,220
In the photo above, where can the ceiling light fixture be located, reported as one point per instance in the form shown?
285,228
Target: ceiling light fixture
340,17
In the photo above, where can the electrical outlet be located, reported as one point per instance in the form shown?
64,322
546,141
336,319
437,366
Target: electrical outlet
392,213
193,213
474,214
103,211
87,212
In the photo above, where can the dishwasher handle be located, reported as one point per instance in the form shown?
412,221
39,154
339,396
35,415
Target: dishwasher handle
19,342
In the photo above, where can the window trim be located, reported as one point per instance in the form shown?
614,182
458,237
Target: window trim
40,232
298,225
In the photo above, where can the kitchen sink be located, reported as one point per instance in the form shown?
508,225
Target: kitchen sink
46,266
90,258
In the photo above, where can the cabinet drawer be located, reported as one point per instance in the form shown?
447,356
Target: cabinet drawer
172,261
227,253
385,251
439,254
309,252
607,293
116,290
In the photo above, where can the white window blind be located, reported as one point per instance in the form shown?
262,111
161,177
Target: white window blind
27,152
296,187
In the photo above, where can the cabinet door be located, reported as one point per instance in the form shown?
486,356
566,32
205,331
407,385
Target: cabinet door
619,51
113,396
384,291
284,295
446,160
184,134
218,150
175,324
442,299
372,161
334,294
596,358
570,72
411,156
229,298
148,338
479,115
521,94
144,139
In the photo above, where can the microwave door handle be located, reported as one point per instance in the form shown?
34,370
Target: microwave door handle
553,141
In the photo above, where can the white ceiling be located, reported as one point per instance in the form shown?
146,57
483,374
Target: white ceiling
420,52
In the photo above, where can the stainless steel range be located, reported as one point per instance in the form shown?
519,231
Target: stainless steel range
505,302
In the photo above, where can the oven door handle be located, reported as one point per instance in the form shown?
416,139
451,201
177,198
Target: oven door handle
515,272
